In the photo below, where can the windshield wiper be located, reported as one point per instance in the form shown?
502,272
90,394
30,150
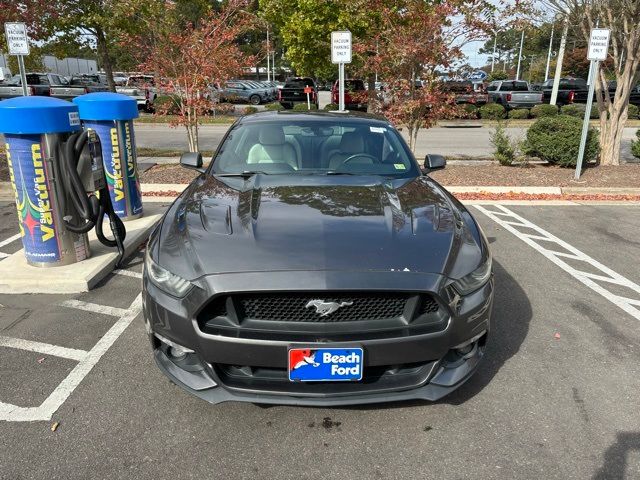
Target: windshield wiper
333,172
243,174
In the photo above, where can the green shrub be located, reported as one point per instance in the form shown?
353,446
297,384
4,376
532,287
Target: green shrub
331,107
573,110
302,107
557,140
167,104
505,149
519,113
249,110
275,106
544,110
633,112
492,111
635,146
577,110
469,110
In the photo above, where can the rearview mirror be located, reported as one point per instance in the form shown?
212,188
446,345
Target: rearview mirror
191,160
434,162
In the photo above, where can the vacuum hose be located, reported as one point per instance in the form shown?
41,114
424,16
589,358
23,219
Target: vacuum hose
90,208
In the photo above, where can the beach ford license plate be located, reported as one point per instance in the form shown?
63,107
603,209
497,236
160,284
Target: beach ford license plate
325,364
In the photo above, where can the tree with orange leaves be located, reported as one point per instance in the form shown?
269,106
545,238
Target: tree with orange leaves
189,61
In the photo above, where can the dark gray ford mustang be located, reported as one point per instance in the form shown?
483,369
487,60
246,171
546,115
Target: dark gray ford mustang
315,263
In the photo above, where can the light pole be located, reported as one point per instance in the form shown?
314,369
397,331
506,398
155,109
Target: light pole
493,57
546,72
520,56
268,57
556,78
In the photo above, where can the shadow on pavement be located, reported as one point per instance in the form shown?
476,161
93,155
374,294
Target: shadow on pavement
509,327
616,456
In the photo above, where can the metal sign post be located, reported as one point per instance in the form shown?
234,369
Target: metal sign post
18,43
308,91
341,54
598,48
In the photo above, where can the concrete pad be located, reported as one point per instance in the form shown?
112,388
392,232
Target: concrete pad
16,276
600,191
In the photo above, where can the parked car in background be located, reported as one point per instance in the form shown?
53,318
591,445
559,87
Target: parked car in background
293,92
466,91
568,89
634,97
37,84
78,85
241,91
142,89
513,94
355,94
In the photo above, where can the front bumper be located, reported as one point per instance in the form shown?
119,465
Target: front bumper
424,366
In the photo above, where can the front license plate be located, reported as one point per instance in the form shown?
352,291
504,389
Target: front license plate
325,364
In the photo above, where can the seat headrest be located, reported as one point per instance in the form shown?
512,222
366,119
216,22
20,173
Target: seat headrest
352,142
271,135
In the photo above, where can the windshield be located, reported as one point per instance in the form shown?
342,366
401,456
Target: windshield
314,147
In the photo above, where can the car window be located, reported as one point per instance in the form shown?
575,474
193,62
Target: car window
492,87
520,87
314,147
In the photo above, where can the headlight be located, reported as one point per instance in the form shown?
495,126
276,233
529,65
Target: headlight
164,279
475,280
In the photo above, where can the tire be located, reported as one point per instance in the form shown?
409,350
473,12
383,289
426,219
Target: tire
255,100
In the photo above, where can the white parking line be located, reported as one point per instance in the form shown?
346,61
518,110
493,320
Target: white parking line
45,411
94,307
3,255
127,273
44,348
9,240
497,213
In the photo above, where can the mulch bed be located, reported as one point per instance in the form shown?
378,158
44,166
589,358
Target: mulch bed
625,176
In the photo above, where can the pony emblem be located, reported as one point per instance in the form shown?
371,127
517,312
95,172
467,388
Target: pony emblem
326,308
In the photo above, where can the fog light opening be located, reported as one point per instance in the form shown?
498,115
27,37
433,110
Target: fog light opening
174,350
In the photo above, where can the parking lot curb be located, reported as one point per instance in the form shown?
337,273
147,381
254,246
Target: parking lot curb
16,276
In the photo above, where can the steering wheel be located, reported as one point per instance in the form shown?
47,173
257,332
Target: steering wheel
356,155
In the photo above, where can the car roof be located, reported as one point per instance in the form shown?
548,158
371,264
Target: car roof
316,115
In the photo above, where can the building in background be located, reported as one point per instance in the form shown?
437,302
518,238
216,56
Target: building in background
65,66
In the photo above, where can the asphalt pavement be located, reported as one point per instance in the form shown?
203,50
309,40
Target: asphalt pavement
556,396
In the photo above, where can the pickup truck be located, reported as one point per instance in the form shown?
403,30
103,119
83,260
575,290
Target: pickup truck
465,92
568,90
141,89
355,94
37,84
513,94
293,92
634,98
78,86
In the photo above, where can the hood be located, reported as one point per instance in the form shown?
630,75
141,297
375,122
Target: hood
280,223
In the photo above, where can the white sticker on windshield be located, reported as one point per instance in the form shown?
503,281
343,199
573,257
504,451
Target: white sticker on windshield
378,129
399,166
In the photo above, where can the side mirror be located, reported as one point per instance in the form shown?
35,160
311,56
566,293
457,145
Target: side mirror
191,160
434,162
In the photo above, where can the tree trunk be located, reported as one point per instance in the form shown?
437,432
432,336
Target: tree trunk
371,93
611,137
105,59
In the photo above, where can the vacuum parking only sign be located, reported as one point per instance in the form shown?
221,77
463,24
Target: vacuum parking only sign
17,39
599,44
341,47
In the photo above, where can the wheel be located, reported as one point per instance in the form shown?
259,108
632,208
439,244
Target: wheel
255,99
